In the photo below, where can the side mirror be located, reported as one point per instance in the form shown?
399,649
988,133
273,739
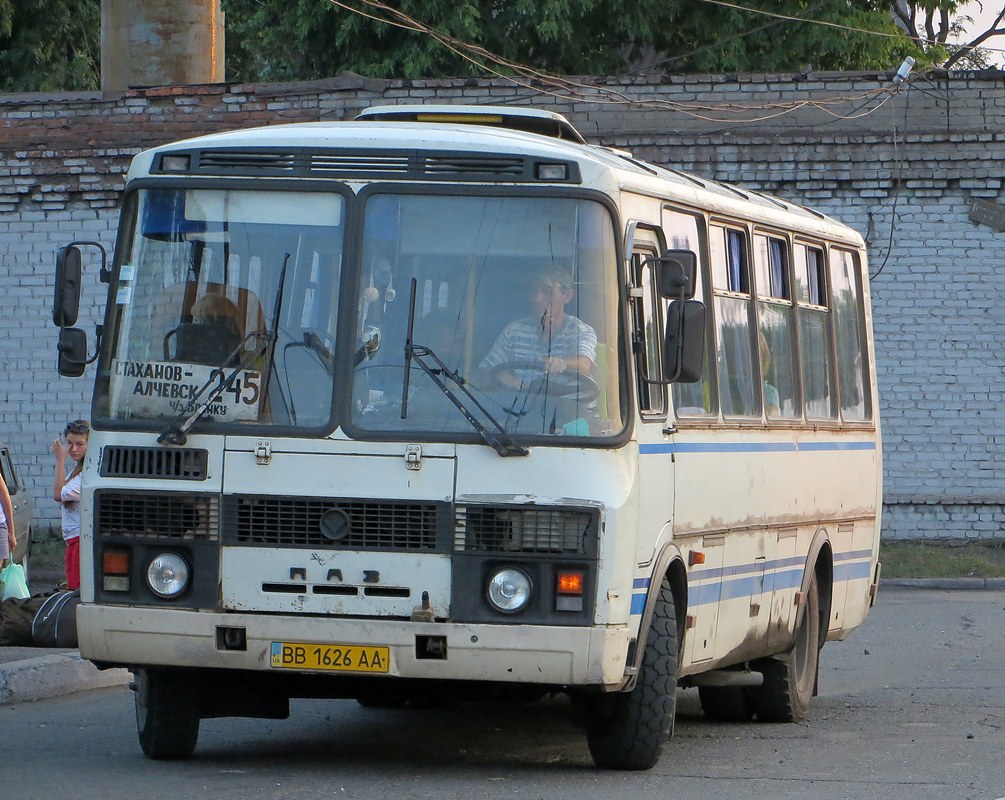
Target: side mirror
72,349
676,274
66,300
684,342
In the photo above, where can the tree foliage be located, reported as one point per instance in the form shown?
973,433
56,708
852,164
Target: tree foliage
50,45
280,39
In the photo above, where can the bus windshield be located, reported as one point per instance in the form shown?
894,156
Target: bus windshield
218,281
515,310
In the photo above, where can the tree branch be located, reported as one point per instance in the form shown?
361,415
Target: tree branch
944,27
997,29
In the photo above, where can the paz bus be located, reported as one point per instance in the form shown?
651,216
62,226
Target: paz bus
447,402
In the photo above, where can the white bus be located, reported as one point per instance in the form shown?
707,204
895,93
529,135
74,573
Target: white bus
447,402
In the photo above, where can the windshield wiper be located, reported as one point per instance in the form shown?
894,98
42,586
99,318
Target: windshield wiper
276,308
499,440
178,430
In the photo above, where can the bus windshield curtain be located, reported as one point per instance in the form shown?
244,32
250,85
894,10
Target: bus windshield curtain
779,286
814,264
737,271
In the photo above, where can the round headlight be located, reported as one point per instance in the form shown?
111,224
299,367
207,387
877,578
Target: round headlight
509,590
167,575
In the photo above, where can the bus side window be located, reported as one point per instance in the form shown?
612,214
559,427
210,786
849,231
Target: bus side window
819,394
849,324
686,231
775,327
739,395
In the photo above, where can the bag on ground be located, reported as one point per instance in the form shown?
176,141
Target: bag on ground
16,618
55,623
13,583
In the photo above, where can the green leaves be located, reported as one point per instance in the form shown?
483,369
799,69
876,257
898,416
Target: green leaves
305,39
49,45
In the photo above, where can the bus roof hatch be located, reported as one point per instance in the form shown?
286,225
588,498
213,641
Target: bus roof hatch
532,120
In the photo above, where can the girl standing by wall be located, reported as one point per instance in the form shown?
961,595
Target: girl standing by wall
7,539
66,492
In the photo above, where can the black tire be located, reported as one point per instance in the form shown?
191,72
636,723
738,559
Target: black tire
628,730
26,561
789,680
726,703
167,717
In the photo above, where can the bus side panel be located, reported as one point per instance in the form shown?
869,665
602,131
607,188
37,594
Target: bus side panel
755,488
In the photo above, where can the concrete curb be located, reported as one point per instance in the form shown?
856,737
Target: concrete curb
945,583
54,675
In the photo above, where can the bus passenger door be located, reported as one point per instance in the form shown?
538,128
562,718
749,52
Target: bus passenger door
656,470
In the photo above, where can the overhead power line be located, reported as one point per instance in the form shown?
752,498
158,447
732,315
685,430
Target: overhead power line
567,89
838,25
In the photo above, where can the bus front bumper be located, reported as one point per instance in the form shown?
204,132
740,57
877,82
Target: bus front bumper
133,636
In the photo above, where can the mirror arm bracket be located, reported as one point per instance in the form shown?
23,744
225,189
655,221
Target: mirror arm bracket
105,275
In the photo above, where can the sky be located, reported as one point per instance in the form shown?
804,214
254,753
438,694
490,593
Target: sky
983,17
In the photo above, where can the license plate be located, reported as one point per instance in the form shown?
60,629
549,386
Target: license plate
330,657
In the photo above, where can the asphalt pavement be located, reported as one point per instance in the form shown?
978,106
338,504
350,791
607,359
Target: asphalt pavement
34,673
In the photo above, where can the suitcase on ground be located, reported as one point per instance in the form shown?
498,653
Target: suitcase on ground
55,624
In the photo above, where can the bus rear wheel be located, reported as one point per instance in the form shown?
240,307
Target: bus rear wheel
628,730
167,717
789,680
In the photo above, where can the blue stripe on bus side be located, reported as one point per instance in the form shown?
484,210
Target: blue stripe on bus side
853,572
705,593
708,586
717,573
751,447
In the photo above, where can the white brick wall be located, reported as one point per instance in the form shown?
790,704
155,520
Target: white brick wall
913,165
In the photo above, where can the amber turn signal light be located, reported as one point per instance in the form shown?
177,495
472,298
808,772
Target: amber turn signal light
569,588
115,562
569,583
115,570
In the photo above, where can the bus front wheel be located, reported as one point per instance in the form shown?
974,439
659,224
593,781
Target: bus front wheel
167,717
627,730
785,694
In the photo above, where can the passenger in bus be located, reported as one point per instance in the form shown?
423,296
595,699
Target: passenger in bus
548,342
215,309
772,402
215,333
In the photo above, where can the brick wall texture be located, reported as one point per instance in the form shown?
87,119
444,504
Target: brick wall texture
904,165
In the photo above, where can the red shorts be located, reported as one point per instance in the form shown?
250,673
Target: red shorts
73,563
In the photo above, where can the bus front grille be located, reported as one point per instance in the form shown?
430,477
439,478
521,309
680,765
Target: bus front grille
157,515
184,464
336,523
525,529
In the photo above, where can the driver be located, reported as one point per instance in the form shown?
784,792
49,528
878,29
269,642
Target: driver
549,341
